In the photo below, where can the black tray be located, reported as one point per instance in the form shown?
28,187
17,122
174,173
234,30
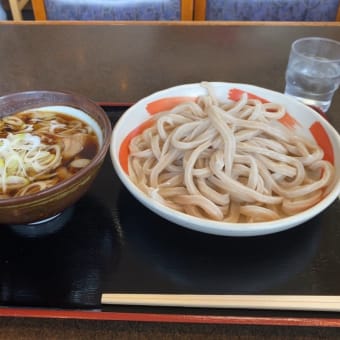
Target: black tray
109,243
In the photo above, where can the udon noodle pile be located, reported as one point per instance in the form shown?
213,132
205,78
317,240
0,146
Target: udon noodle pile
228,162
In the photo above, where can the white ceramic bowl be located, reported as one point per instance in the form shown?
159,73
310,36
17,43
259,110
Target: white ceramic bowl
302,120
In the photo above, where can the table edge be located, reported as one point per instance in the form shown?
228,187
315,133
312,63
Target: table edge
170,23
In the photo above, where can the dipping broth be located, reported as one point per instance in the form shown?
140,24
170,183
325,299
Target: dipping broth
38,149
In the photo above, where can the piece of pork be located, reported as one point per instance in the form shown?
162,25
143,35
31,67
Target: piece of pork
73,145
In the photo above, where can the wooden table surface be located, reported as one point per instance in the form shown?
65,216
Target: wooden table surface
119,63
124,62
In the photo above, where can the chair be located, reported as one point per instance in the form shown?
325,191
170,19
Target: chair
267,10
16,7
113,9
3,15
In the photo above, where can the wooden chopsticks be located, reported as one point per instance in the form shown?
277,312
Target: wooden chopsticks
276,302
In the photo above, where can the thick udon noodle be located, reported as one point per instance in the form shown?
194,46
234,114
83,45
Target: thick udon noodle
38,149
228,161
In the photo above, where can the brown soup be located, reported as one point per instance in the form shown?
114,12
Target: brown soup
38,149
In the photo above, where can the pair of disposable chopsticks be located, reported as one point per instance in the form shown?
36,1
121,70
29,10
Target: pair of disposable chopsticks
276,302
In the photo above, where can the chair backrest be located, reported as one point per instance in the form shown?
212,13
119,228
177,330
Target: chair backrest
3,15
267,10
113,9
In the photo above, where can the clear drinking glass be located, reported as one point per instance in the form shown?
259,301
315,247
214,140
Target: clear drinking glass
313,71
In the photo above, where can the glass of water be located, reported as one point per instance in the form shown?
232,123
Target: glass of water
313,71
